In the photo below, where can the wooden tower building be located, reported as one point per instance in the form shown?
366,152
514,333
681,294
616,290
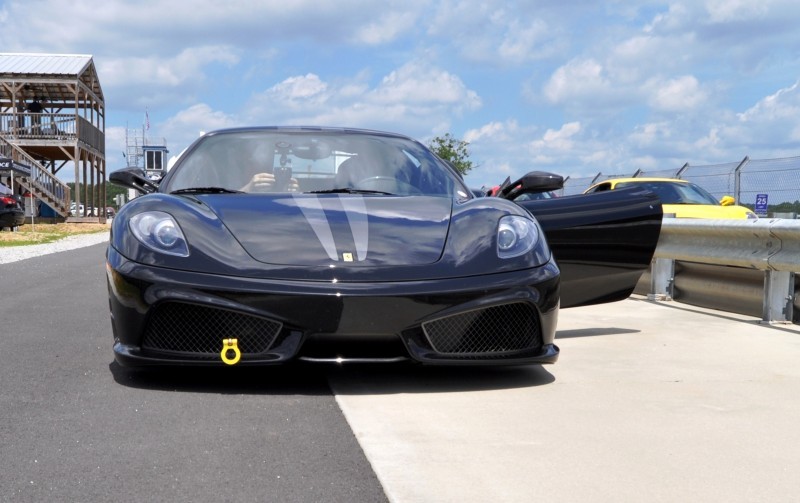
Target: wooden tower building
52,124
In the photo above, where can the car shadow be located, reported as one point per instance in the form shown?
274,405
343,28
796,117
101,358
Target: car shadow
318,379
592,332
277,380
412,378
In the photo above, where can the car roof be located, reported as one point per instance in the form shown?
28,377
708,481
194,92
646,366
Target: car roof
645,179
310,129
615,181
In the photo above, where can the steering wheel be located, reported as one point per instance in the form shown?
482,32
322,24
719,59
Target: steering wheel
380,183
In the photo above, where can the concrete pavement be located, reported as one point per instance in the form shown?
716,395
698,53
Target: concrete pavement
648,402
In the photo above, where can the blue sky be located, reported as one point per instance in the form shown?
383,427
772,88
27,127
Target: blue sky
575,87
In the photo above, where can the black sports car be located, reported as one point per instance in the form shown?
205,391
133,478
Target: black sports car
12,214
265,245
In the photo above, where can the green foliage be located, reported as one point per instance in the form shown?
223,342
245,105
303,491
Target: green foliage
784,207
453,150
111,192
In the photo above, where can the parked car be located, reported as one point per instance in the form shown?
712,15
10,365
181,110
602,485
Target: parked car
12,211
266,245
682,198
76,210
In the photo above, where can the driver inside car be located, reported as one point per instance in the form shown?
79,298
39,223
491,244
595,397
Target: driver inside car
274,176
385,174
269,182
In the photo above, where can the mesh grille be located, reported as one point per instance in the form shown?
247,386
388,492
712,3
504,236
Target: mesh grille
190,328
494,330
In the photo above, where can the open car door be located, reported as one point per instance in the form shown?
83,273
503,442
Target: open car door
602,242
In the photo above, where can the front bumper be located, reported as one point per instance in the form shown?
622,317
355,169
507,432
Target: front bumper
163,316
11,218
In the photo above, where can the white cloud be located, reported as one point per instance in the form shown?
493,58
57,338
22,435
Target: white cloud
723,11
183,69
494,131
418,82
578,80
417,95
675,95
308,89
387,28
496,33
557,140
524,41
779,106
710,142
156,24
676,18
767,129
650,134
188,124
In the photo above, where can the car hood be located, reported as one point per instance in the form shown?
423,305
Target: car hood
706,211
321,229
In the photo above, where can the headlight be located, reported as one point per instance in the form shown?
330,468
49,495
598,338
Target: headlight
751,215
516,236
159,231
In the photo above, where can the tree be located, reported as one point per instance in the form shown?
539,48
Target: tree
111,192
453,150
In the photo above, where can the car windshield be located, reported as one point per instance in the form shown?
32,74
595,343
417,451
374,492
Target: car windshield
310,160
674,192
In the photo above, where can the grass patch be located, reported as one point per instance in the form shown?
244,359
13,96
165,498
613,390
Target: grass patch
47,233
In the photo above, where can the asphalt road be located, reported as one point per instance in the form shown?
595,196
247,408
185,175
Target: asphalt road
76,427
656,402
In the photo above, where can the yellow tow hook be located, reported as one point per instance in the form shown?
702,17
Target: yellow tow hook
230,345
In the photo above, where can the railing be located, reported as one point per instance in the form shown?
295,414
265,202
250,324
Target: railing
740,248
43,183
51,127
90,135
44,126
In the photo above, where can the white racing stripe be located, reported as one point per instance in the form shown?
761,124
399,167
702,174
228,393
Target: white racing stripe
356,211
315,215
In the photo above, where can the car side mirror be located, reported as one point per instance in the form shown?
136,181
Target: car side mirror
533,182
727,201
133,178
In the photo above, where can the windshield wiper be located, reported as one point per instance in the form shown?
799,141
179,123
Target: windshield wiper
348,190
206,190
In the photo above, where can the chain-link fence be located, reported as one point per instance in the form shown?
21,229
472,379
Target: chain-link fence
770,187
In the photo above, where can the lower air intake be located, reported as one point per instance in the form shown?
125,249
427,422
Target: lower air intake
492,331
199,330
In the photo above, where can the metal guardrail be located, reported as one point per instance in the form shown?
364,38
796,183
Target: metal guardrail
771,246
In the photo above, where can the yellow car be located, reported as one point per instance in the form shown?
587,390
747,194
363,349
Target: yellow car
680,197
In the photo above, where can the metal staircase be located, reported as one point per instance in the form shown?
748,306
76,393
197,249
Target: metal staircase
34,177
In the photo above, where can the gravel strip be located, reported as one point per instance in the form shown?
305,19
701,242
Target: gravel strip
15,253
